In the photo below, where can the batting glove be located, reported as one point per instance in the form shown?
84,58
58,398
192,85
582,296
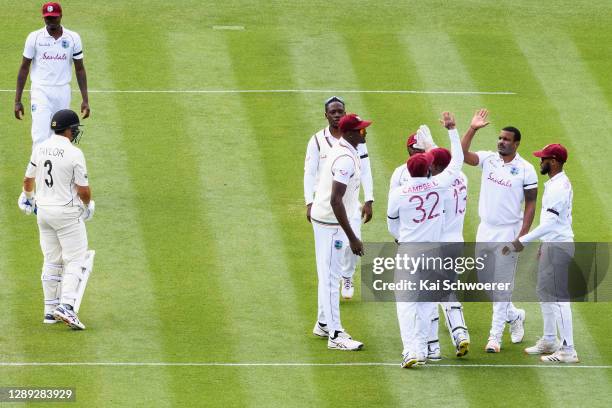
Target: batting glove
27,205
88,211
424,139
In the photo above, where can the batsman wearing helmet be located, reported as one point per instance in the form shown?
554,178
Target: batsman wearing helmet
56,188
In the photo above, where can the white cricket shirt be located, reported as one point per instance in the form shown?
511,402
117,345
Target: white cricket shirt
416,210
399,177
51,58
342,165
454,210
58,167
317,152
556,214
502,188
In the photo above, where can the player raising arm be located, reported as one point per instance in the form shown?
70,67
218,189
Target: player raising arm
415,215
507,181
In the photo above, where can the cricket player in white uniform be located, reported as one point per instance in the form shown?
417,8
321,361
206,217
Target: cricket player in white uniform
455,203
57,189
507,181
555,231
418,142
50,51
317,152
336,197
415,214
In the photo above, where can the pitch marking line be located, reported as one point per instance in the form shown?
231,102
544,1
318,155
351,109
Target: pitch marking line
228,27
282,91
169,364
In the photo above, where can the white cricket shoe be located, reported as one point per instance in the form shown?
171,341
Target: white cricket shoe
409,360
320,331
543,346
463,344
517,327
343,342
493,345
348,289
421,359
49,319
69,317
561,356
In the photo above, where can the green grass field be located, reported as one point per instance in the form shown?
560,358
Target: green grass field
204,254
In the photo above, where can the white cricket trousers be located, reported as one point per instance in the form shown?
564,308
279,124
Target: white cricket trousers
349,263
45,101
504,267
553,291
63,240
414,320
330,242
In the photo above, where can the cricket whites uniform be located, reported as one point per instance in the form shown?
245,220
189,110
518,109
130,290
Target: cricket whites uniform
342,164
557,250
317,153
50,75
415,214
501,218
452,232
58,168
399,177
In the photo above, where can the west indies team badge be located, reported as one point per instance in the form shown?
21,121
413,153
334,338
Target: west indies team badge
65,44
514,170
338,244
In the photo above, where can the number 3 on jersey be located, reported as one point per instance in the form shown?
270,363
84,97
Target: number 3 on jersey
49,166
418,198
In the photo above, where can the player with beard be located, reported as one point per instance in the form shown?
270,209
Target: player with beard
507,182
556,252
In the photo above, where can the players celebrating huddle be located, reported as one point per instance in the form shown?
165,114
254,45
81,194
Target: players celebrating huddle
427,204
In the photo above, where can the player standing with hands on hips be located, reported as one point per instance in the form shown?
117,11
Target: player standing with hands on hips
336,198
50,51
507,181
56,187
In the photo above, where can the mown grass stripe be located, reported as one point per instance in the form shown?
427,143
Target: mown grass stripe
235,187
122,275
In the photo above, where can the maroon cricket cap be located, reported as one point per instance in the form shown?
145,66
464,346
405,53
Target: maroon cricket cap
555,151
441,156
419,164
51,10
411,140
352,121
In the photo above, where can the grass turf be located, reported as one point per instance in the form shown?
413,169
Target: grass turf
204,254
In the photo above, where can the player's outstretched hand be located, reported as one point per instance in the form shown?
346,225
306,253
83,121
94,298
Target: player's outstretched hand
366,212
357,247
479,120
448,120
85,109
18,110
